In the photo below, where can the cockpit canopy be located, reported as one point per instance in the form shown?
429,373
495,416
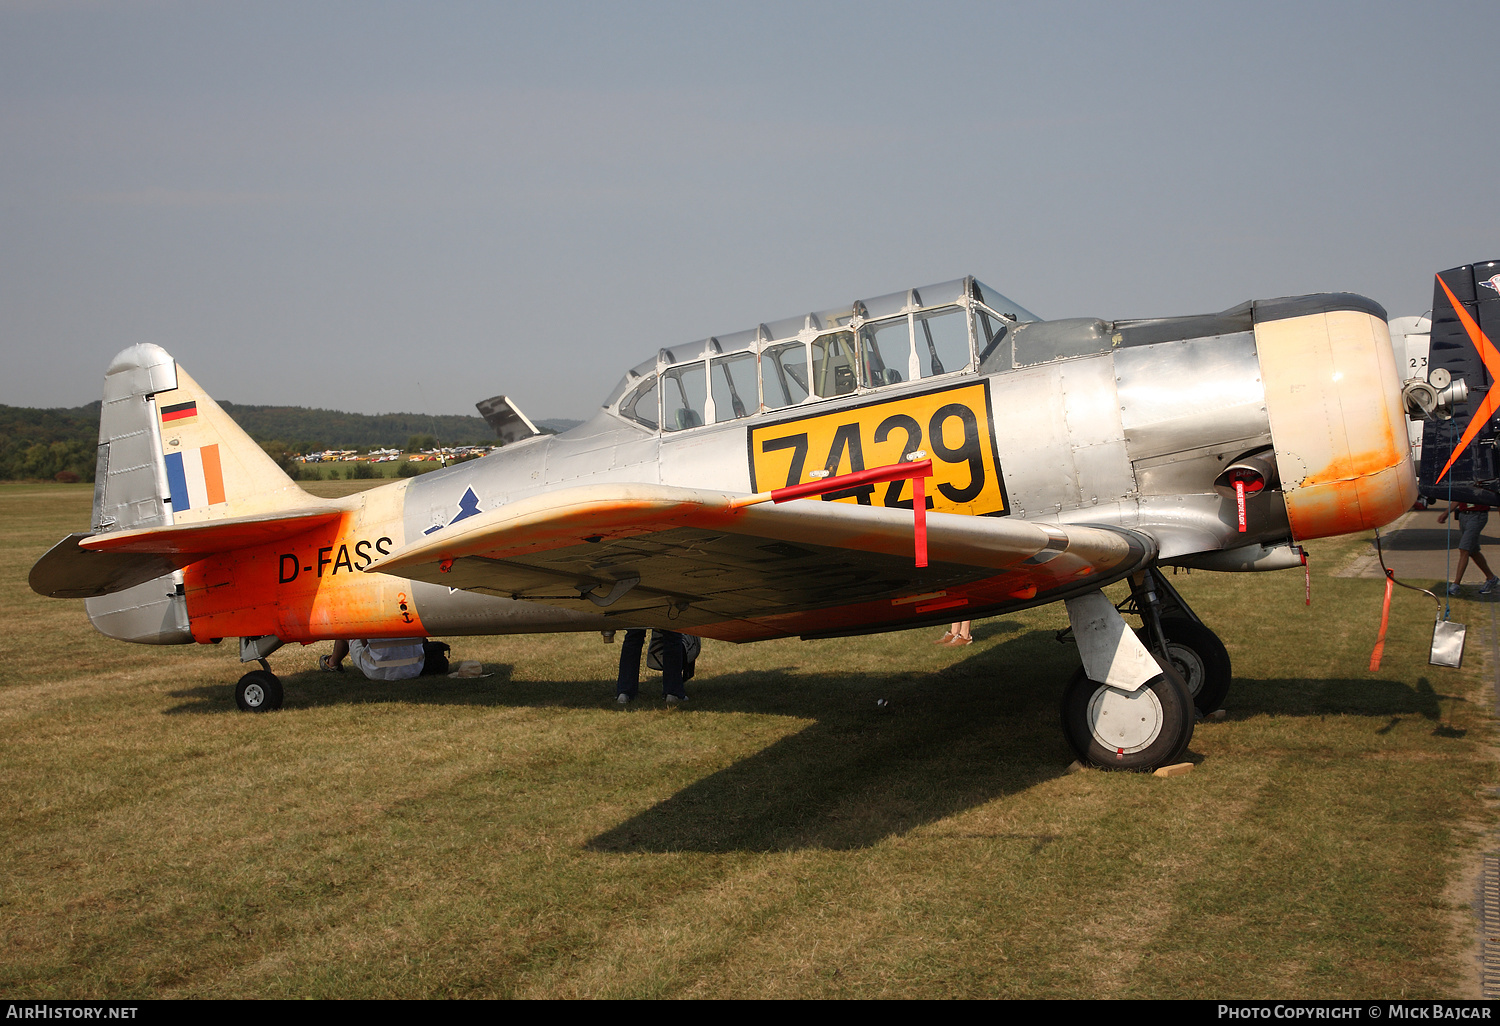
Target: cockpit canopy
904,336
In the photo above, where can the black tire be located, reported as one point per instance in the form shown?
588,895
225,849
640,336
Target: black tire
1200,657
1157,737
258,691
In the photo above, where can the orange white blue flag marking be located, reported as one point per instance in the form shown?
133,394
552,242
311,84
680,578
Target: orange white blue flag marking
195,478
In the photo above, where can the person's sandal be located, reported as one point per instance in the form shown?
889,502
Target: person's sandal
327,664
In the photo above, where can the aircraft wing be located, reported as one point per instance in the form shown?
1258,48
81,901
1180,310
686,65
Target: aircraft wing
692,557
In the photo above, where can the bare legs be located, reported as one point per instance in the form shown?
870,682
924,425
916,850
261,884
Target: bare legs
958,634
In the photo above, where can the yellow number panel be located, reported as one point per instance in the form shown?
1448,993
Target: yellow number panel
952,424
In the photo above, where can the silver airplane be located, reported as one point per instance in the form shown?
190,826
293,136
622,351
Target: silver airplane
931,455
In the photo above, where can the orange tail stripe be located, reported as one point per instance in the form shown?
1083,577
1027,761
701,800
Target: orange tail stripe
213,474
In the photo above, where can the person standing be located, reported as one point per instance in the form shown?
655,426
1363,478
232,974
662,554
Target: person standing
1471,521
673,653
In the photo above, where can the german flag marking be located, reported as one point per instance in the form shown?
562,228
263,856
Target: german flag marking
182,411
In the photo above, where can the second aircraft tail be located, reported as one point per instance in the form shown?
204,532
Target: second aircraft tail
1459,455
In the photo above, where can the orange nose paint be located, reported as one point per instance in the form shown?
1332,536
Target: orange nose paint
1333,400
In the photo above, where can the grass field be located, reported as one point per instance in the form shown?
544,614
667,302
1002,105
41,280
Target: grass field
518,835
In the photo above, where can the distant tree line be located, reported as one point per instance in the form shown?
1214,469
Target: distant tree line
61,444
56,444
317,430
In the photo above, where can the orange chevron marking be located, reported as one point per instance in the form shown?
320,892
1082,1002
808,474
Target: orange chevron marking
1491,358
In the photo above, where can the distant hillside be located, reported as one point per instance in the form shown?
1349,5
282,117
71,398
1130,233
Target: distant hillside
308,430
42,443
46,443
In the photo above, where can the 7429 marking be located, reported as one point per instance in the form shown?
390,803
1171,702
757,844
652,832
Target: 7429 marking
953,424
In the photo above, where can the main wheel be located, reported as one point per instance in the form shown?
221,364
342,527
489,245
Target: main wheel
1128,730
258,691
1201,658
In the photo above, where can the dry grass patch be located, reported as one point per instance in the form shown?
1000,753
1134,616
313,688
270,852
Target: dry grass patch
519,835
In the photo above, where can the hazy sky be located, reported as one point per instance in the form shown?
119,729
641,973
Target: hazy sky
330,203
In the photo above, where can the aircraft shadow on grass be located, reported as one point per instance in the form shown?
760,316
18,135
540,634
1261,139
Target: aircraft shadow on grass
849,782
947,741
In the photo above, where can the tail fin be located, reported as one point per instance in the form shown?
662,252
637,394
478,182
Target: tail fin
168,454
1459,455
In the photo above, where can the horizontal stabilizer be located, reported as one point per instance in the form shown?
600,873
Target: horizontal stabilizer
204,538
91,565
67,571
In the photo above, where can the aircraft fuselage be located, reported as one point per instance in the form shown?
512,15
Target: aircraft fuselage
1132,425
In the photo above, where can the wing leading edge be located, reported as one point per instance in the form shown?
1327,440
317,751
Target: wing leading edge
702,561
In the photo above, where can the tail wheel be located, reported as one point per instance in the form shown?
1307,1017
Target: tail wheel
1200,657
258,691
1128,730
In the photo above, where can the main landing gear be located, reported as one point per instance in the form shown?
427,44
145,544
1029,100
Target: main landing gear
1114,728
259,690
1128,730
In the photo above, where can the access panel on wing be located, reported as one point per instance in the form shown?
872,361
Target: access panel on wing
953,425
